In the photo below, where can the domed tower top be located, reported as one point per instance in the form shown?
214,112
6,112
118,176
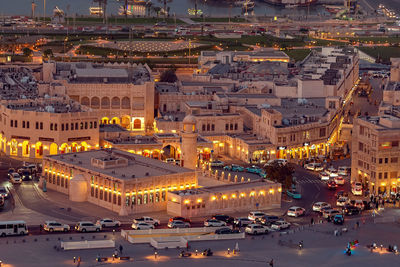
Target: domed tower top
189,124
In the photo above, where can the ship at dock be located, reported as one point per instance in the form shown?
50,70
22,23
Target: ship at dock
291,3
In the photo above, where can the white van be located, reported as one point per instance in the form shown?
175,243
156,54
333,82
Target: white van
13,228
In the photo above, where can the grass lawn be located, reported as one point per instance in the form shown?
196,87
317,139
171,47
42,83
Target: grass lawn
384,53
298,54
152,62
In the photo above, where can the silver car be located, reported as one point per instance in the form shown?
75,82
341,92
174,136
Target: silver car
178,224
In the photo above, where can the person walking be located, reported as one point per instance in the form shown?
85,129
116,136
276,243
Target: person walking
115,253
312,221
120,249
271,263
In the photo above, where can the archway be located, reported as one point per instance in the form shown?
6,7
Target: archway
146,153
137,124
85,101
169,151
115,103
53,149
105,120
115,120
156,154
38,150
126,103
84,146
64,148
95,103
74,147
26,149
125,121
105,103
13,147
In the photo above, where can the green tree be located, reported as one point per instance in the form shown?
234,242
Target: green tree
281,173
48,53
169,76
27,52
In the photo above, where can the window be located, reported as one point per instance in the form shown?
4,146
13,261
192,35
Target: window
133,199
231,127
101,194
81,125
279,139
72,126
386,160
362,130
11,123
385,175
16,124
394,160
55,126
212,127
51,126
380,160
380,175
27,124
92,191
360,163
151,198
86,125
360,146
41,126
322,132
395,143
23,124
226,127
62,126
37,125
393,174
145,198
203,127
95,124
208,127
114,198
163,195
91,125
236,126
105,194
76,126
119,200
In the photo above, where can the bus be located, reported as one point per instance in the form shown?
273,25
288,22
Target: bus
13,228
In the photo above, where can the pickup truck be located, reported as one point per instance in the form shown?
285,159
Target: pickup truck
148,220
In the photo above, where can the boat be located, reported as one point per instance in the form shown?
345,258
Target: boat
283,3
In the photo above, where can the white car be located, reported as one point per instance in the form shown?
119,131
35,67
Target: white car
342,201
170,160
296,211
217,163
87,227
320,205
108,223
344,170
254,215
242,221
178,224
148,220
255,229
324,176
214,223
356,189
332,172
142,226
317,167
15,178
339,180
53,226
279,225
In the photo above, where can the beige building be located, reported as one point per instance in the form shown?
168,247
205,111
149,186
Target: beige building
376,153
122,94
116,180
228,198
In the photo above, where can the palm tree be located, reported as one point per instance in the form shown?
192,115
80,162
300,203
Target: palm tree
149,4
157,10
165,2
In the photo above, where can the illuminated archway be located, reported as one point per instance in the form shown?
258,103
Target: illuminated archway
84,146
137,124
64,148
53,149
115,120
74,147
13,147
125,121
169,151
26,149
38,150
156,154
105,120
146,153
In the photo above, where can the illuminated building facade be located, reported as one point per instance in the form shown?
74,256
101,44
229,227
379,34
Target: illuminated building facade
116,180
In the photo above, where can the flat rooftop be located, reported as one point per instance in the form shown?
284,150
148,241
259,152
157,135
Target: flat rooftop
224,187
137,165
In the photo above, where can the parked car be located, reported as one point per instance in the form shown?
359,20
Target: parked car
152,221
108,223
344,170
216,163
10,171
339,180
331,170
279,161
242,221
268,219
15,178
351,210
294,194
255,229
53,226
324,176
4,192
332,185
253,215
338,219
26,175
329,213
223,217
178,224
170,160
87,227
357,203
317,167
179,219
320,205
234,168
295,211
214,223
254,169
279,225
142,226
225,231
342,201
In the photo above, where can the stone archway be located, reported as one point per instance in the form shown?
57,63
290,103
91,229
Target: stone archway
53,149
105,103
95,102
85,101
